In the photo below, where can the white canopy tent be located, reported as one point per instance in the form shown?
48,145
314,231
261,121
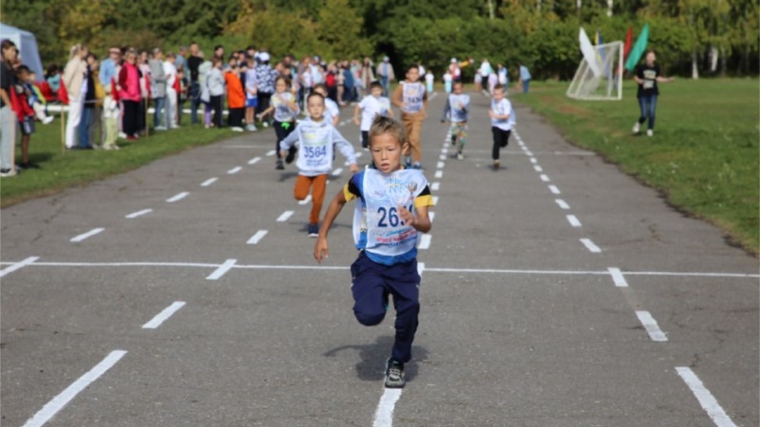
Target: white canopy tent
27,46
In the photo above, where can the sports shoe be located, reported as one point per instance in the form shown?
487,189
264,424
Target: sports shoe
279,165
650,132
416,166
47,120
394,374
7,172
159,128
313,230
636,128
496,165
236,129
265,124
251,128
291,155
460,155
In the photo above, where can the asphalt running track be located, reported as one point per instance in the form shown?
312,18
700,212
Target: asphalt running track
556,292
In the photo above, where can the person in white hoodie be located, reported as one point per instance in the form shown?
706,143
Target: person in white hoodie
215,83
170,72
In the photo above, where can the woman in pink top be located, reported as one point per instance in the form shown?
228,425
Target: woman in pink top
129,93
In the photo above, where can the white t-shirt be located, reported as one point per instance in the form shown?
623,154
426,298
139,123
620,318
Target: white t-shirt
171,74
501,108
371,107
331,111
316,140
251,83
459,107
282,112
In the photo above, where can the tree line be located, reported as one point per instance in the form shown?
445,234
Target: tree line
691,37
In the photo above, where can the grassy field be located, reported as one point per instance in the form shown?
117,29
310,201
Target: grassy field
704,155
78,167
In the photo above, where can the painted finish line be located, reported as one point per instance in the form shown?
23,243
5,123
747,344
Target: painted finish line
346,267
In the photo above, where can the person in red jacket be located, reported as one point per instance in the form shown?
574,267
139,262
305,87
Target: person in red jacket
129,93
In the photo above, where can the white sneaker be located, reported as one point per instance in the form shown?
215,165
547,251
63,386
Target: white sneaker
266,125
251,128
159,128
460,156
236,129
47,120
649,132
122,135
636,128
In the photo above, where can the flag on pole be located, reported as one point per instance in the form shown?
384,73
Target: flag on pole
628,42
638,49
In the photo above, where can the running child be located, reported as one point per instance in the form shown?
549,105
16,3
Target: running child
332,111
502,122
411,98
391,208
316,137
285,111
457,109
373,105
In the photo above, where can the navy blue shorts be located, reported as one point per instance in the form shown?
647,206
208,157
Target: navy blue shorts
251,102
373,283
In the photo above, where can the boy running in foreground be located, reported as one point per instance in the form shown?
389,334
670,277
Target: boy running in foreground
391,208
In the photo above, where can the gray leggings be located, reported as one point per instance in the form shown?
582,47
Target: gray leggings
8,128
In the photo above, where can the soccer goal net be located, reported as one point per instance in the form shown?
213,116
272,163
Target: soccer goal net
601,78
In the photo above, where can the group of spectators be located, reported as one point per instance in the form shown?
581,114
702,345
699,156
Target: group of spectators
111,98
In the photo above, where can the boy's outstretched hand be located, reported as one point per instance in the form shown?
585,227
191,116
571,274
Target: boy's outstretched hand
321,250
353,167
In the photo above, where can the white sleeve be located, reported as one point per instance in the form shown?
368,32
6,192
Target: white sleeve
291,139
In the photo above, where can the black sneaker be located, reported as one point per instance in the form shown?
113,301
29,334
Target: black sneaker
279,166
313,230
291,155
394,374
29,165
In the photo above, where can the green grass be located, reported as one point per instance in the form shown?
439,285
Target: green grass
704,154
59,170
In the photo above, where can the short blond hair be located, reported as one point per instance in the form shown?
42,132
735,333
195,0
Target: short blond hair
382,125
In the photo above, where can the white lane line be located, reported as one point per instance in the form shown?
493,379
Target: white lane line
284,217
19,265
177,197
138,213
524,148
651,326
435,186
359,154
254,160
433,95
432,216
305,201
725,275
209,181
440,165
435,200
705,398
554,189
445,151
538,168
86,235
51,408
562,204
384,413
545,178
439,174
529,154
337,172
420,268
257,237
442,157
573,220
163,315
425,241
222,269
235,170
591,246
617,277
270,153
533,160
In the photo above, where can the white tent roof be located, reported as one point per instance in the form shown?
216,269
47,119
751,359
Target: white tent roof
27,46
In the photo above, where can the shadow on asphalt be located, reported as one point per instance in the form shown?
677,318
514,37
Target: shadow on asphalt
372,358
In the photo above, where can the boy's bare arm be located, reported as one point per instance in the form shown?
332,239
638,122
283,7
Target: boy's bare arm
398,97
420,222
321,250
357,110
